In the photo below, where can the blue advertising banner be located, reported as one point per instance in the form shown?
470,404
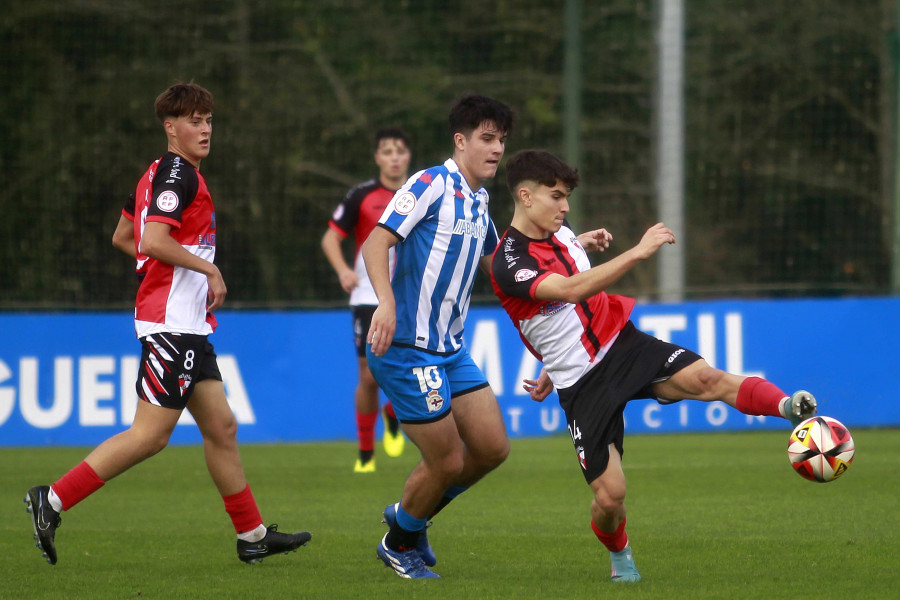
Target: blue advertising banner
68,379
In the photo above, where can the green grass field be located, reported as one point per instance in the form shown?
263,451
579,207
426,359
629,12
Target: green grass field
710,516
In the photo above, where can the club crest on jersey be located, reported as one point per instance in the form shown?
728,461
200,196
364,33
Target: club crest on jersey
404,203
167,201
580,452
434,401
525,274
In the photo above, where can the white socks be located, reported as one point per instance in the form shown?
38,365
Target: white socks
55,502
254,535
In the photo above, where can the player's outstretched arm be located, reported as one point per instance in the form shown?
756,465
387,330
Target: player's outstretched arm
582,286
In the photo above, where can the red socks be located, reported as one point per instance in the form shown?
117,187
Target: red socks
614,542
365,430
77,484
756,396
82,481
242,509
389,410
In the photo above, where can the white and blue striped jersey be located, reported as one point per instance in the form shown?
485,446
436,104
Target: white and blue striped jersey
444,229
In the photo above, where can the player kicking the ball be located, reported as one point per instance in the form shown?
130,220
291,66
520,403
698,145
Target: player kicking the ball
592,353
174,241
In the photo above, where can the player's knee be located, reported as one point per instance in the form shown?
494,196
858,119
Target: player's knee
223,431
367,380
152,443
610,499
451,466
500,453
490,456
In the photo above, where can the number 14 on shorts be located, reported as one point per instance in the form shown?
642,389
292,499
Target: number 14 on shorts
574,431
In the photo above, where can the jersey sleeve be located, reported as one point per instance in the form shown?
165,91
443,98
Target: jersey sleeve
128,209
412,202
346,215
490,240
514,271
174,188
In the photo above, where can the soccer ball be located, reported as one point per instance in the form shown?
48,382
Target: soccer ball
821,449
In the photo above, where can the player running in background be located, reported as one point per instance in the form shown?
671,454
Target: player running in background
439,224
174,241
358,214
592,353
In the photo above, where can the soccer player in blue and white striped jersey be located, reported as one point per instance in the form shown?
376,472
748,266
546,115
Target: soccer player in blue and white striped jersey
439,225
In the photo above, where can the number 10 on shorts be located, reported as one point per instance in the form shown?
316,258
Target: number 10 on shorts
429,378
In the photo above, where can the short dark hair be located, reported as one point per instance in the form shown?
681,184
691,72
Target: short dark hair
391,133
541,167
183,100
471,111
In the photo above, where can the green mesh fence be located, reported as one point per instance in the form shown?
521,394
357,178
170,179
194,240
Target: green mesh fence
789,113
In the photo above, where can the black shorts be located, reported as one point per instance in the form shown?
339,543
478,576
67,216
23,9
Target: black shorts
594,405
362,319
171,363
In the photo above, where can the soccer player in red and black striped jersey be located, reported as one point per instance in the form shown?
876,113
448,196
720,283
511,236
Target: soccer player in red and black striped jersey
174,240
592,353
357,215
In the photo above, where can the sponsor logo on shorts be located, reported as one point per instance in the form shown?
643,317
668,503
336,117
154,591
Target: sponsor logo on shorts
167,201
434,401
674,356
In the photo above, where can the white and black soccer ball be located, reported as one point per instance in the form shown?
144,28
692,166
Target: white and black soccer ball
821,449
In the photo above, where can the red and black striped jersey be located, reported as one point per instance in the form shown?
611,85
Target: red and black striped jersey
358,214
566,337
171,298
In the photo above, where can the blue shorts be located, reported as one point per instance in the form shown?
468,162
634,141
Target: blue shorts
420,384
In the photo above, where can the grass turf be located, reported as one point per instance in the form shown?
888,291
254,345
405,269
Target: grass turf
710,516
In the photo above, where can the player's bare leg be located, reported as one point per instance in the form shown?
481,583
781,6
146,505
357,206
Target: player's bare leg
209,407
608,518
442,463
481,427
149,433
217,424
750,395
